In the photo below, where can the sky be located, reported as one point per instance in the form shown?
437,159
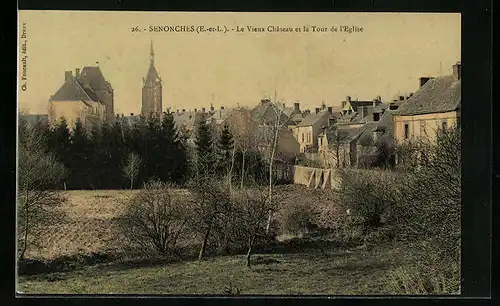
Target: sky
234,68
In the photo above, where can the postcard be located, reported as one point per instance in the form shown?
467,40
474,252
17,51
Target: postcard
231,153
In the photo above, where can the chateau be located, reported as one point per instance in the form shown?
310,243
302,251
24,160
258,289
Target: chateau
84,95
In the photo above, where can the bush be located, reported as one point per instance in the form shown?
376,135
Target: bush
369,196
154,218
295,218
416,280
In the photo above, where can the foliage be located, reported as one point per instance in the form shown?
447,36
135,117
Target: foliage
211,202
154,218
132,168
225,147
39,176
419,204
95,153
295,218
205,153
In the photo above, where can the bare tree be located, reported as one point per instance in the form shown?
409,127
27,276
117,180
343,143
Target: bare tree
155,217
244,130
255,205
210,200
132,167
37,198
336,142
276,128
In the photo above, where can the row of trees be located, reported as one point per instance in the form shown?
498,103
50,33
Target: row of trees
116,154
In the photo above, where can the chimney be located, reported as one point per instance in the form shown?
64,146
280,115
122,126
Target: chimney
212,108
401,98
362,112
348,98
77,72
423,80
316,110
222,107
296,107
283,105
203,110
264,101
330,109
195,110
375,102
343,104
457,71
67,75
323,106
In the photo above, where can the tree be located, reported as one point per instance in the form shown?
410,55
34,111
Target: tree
276,127
255,206
154,218
174,167
132,168
205,157
79,152
59,142
336,142
210,200
38,197
225,148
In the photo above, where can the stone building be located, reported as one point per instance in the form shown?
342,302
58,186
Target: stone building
152,90
434,107
85,95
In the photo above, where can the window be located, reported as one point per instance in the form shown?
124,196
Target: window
321,141
407,131
302,137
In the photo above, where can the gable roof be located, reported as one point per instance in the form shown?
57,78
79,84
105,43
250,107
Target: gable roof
187,118
313,117
266,112
438,95
355,104
91,76
73,90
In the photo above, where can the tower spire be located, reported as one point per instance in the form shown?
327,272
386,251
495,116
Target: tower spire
152,54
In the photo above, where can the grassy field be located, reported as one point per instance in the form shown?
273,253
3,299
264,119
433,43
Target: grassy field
90,227
311,272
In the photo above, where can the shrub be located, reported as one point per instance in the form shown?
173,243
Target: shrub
369,196
295,218
38,198
154,218
416,280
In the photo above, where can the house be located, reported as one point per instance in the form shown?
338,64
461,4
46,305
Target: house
258,126
355,112
185,121
433,108
85,95
358,143
311,126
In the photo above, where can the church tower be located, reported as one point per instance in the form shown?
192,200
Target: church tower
152,90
